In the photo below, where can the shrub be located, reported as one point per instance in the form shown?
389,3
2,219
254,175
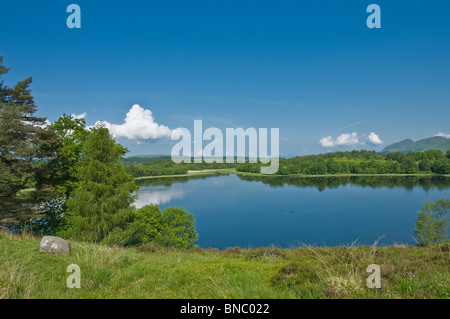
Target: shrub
432,222
174,227
178,228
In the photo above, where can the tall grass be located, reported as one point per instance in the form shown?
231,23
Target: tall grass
154,272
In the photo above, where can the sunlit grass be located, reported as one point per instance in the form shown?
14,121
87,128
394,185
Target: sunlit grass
154,272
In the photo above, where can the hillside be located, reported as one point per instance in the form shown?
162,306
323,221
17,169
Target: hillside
160,273
432,143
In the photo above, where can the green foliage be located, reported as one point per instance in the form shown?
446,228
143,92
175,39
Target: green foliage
178,228
174,227
146,226
360,162
441,166
52,221
100,206
67,148
354,162
160,166
425,165
60,174
23,142
432,222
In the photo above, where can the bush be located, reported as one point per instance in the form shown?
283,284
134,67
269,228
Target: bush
147,225
178,228
432,223
174,227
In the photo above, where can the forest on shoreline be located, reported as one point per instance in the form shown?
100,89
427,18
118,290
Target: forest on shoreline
338,163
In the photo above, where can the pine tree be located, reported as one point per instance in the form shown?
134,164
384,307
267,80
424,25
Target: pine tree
22,149
100,206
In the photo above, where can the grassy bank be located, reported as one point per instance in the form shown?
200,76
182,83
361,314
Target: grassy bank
153,272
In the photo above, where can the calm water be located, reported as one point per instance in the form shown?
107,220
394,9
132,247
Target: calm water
287,212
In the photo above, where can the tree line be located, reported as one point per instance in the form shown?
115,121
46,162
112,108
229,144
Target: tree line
352,162
361,162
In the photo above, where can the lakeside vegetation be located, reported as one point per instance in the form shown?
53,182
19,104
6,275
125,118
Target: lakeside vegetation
67,179
338,163
151,271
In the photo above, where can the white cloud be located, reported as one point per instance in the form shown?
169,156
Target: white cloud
374,139
78,117
327,141
139,126
347,139
46,123
342,140
443,135
350,139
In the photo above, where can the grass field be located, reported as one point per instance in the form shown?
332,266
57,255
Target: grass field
153,272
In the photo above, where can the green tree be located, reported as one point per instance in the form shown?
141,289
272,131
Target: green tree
23,141
51,220
146,226
60,173
332,167
425,164
441,166
178,228
432,222
174,227
100,206
67,148
409,165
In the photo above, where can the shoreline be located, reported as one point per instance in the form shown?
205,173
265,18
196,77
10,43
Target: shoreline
227,171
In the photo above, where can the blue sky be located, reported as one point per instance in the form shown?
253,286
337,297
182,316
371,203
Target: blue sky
312,69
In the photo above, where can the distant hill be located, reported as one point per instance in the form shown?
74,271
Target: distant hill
432,143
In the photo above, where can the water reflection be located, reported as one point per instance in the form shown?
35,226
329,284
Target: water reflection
333,182
158,196
167,181
322,183
258,211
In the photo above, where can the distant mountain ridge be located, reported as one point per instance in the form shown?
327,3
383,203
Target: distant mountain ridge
432,143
